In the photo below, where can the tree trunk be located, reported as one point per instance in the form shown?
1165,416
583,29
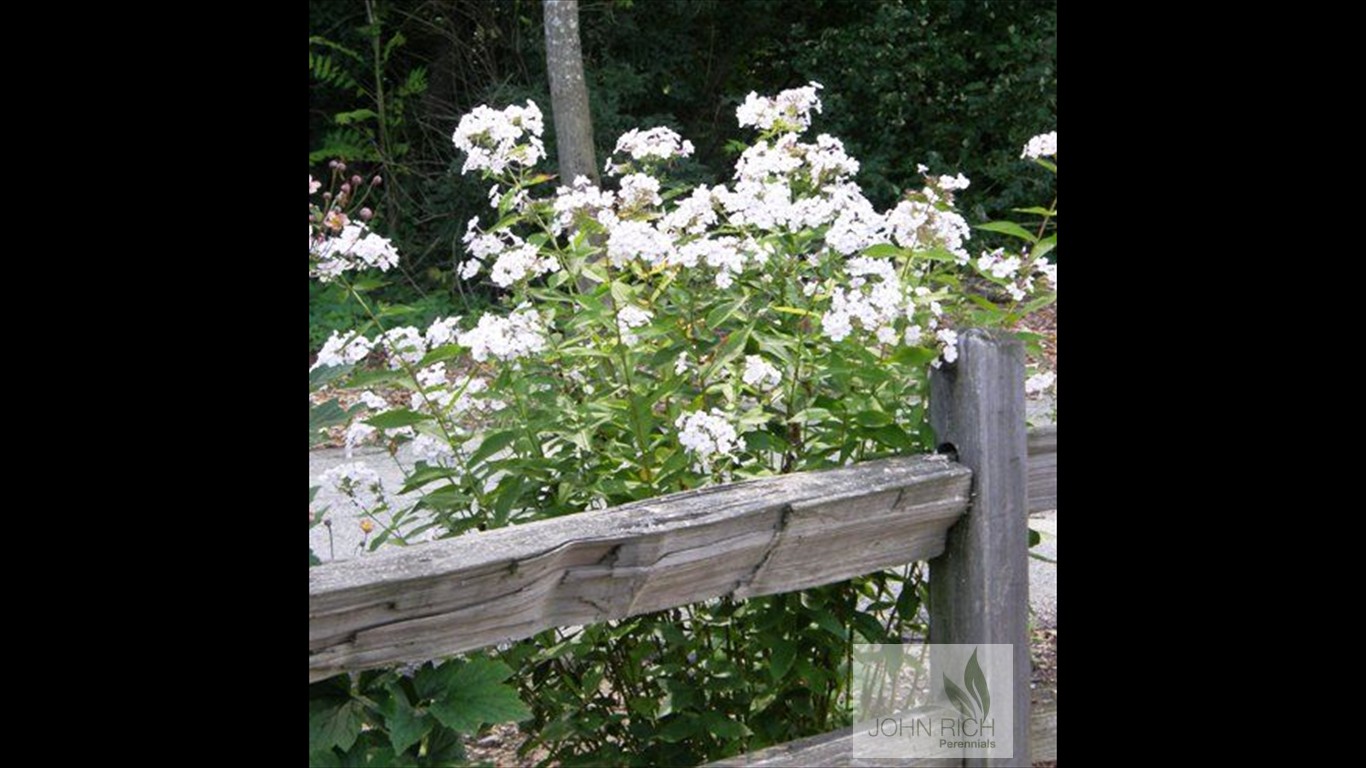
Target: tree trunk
568,91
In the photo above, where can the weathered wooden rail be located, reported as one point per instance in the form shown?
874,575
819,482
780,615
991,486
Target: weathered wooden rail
779,534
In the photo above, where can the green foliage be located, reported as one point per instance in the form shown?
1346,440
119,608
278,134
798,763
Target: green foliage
411,718
957,84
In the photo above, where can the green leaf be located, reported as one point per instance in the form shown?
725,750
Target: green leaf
685,726
723,311
399,417
477,696
354,116
441,354
873,418
882,250
405,724
1008,228
782,653
493,443
1044,247
724,727
728,351
320,417
621,294
333,725
913,356
894,437
325,759
1039,210
425,475
325,374
365,379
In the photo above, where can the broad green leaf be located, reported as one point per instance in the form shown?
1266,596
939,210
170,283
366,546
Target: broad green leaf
441,354
723,311
730,350
405,724
325,759
399,417
354,116
894,437
477,696
366,379
1008,228
913,356
325,374
320,417
873,418
1044,246
505,202
425,475
493,443
333,725
783,653
724,727
684,726
882,250
621,293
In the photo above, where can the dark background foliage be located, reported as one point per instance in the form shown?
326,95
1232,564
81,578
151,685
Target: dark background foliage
959,85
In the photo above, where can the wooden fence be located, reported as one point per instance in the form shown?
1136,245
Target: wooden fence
967,516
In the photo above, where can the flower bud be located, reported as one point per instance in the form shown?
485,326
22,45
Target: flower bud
345,189
376,181
366,214
356,180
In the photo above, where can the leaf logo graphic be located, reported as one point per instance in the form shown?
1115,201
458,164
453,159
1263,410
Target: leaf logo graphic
978,698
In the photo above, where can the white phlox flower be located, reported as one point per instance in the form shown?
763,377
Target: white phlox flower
707,436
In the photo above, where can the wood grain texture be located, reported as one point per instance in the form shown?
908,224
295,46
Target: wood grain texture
746,539
979,586
836,749
1043,468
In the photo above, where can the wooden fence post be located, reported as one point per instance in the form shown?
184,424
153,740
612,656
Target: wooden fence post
979,587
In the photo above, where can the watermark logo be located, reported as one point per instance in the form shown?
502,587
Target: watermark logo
933,700
975,681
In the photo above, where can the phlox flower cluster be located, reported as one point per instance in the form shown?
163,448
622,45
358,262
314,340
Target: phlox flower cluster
520,334
582,198
789,110
1043,145
357,483
513,258
873,300
631,317
355,247
760,374
655,144
493,140
707,435
342,350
